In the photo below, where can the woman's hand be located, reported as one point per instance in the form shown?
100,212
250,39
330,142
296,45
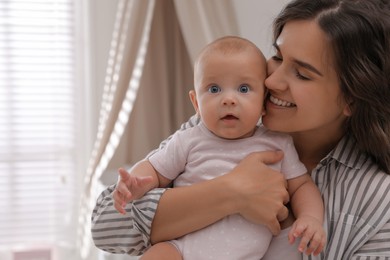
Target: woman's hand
260,193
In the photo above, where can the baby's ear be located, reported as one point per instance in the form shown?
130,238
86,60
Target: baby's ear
194,101
263,112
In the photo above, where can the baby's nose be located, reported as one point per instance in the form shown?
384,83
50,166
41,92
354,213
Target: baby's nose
229,100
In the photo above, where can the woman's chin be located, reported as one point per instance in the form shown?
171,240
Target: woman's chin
269,123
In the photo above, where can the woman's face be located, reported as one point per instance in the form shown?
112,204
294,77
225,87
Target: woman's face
304,92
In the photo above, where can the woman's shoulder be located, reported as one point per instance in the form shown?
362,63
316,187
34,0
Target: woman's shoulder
359,179
353,175
192,121
347,153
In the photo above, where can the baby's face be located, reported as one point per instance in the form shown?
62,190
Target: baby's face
230,92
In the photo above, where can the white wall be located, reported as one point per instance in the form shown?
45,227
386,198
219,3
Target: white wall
255,20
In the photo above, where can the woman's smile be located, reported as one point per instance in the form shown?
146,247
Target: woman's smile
280,102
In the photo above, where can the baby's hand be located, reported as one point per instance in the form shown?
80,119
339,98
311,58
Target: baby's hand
312,234
128,188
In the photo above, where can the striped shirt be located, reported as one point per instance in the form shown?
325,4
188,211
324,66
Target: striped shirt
356,196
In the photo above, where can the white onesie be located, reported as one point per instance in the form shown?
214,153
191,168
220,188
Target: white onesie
195,155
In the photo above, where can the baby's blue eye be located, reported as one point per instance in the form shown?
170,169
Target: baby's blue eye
243,89
214,89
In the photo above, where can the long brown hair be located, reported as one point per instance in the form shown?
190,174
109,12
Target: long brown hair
359,31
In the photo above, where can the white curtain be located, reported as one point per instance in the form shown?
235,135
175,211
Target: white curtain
124,70
154,44
203,21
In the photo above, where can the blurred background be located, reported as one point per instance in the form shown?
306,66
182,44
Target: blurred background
87,86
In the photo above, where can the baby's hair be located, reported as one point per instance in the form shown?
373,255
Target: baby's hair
227,45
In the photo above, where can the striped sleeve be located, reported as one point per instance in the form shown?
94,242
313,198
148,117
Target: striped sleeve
124,234
130,233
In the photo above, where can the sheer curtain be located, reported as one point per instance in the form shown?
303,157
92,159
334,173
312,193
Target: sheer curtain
202,21
39,145
124,69
149,74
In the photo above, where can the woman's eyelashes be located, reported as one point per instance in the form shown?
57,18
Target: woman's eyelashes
300,76
277,58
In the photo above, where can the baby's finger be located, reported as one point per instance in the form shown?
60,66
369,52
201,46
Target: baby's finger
304,243
291,237
320,246
313,245
316,244
118,198
123,191
298,229
123,174
118,202
119,208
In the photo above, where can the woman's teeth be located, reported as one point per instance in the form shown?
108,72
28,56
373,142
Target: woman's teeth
280,102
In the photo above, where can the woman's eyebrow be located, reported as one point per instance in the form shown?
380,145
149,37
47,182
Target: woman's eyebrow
308,67
301,63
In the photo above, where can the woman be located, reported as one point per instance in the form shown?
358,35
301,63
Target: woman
329,87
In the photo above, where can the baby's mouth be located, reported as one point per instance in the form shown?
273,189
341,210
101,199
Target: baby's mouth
229,117
280,102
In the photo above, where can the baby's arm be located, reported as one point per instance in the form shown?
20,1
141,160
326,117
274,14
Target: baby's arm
308,208
131,186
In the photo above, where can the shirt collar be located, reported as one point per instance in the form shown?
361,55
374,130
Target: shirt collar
347,153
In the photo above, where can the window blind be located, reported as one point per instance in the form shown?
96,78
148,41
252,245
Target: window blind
37,121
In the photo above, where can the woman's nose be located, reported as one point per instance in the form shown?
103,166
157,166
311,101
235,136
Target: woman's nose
276,79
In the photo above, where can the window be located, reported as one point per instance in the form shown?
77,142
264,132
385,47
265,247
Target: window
39,113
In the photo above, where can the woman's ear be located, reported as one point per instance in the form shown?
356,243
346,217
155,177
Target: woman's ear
194,101
347,109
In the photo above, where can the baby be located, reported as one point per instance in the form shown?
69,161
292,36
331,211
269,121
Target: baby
228,97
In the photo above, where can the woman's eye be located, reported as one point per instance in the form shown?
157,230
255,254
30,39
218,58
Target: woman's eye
244,89
300,76
277,58
214,89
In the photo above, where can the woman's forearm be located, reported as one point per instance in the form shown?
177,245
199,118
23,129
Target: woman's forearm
184,210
